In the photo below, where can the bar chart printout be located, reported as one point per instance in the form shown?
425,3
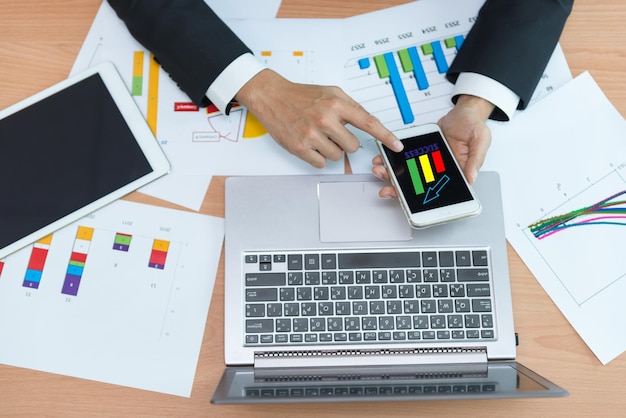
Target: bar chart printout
100,312
122,242
412,66
36,262
76,265
158,254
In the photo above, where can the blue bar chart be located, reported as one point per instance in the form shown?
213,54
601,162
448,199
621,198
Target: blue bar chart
404,70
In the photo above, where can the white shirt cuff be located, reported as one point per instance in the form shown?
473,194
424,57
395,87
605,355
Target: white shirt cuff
489,89
231,80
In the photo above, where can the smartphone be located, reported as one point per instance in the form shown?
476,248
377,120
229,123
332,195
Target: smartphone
431,186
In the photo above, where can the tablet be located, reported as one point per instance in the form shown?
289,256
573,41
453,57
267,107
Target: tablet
69,150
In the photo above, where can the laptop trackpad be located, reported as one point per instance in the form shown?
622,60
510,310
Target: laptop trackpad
353,212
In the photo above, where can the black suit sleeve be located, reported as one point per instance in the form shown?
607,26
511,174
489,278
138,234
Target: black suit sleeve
511,42
186,37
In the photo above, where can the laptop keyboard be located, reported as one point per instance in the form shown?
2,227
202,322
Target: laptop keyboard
347,297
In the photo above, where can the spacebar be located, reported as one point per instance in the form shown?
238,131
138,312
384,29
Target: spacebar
383,260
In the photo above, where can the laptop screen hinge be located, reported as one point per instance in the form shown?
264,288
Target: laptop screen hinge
370,357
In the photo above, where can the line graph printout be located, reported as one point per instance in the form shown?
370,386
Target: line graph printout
121,296
396,60
558,157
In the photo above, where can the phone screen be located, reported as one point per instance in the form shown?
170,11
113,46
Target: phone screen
428,174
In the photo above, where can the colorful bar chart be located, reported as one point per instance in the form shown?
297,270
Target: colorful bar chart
158,254
36,263
153,95
387,68
137,81
421,170
411,63
1,267
77,261
122,242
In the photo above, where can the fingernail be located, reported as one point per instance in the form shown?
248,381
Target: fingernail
398,145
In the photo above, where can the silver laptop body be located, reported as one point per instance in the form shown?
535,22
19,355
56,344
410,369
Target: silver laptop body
305,254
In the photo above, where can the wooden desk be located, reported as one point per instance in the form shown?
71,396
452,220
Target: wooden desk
39,41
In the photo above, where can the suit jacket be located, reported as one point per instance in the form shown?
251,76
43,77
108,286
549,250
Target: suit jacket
186,37
511,41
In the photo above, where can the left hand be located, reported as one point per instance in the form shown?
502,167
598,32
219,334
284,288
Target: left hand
468,136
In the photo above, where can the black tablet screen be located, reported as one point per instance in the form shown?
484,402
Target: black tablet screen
61,154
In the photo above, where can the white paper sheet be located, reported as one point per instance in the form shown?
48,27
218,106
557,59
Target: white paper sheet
201,142
121,296
422,26
567,152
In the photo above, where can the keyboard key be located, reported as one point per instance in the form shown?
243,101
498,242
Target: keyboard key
329,261
375,260
300,325
255,310
283,325
413,276
481,289
342,308
481,305
265,279
472,275
430,275
311,262
259,325
261,295
295,279
463,259
335,324
396,276
318,324
429,259
379,276
479,258
294,261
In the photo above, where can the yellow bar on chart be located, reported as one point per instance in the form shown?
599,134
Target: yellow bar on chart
47,240
153,95
161,245
426,168
84,232
137,82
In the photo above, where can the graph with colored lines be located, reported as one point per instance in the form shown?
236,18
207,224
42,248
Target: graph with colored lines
610,211
127,280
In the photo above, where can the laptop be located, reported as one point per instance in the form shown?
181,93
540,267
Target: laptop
331,296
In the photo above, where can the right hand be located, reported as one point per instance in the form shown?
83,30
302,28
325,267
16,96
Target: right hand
309,120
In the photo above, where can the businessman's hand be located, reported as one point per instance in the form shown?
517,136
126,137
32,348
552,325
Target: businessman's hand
467,134
309,120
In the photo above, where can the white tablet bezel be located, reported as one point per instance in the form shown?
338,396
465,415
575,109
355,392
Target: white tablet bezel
137,125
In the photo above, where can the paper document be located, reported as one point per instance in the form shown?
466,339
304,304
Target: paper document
558,160
121,296
395,62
